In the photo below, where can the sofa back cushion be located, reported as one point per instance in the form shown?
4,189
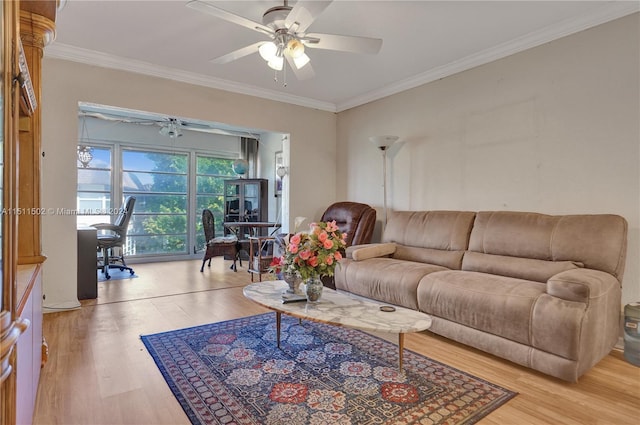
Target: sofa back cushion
434,237
596,241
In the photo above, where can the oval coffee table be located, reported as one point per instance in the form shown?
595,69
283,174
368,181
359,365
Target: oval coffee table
340,308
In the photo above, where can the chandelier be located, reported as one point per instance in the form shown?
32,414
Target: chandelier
84,155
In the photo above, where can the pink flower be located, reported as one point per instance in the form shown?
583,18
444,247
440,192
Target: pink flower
329,260
328,244
332,226
293,248
295,239
313,261
337,255
305,254
322,236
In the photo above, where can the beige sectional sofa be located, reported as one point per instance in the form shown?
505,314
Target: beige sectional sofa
542,291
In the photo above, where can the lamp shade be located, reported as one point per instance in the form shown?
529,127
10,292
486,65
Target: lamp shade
383,142
295,48
276,63
268,51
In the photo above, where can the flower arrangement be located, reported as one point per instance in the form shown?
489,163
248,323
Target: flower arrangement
312,254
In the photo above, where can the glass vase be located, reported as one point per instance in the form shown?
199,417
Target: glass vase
294,281
314,289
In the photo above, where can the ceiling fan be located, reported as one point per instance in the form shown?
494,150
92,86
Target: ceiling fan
286,27
169,126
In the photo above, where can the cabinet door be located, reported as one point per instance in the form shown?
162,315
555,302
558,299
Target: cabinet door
232,191
251,196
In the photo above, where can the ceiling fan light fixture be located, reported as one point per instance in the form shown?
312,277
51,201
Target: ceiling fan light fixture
295,48
277,63
301,61
268,50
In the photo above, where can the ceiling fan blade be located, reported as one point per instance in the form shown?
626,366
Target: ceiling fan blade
303,73
237,54
344,43
208,7
304,13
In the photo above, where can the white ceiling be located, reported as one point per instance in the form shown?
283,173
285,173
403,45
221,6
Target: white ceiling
422,41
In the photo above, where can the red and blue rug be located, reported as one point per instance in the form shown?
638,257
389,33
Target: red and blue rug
233,373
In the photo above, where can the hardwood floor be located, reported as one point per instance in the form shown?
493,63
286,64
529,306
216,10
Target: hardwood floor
100,373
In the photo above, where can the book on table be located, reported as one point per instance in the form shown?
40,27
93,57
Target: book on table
293,298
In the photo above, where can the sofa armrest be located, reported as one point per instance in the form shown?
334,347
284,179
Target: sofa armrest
364,252
580,285
352,248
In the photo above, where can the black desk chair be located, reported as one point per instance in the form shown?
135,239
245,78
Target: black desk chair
113,236
229,246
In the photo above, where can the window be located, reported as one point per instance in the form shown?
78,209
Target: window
94,186
159,181
167,217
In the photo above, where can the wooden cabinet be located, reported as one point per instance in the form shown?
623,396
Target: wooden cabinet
246,200
27,26
29,348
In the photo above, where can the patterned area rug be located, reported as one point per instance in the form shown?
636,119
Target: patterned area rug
233,373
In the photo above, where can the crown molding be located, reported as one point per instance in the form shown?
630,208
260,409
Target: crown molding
104,60
567,27
606,13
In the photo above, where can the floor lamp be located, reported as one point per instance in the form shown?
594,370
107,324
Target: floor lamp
383,143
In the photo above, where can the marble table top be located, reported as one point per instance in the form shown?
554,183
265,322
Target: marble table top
339,308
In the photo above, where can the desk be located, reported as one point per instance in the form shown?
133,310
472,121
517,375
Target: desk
87,260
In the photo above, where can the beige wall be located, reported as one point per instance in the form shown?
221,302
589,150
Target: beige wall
64,84
554,129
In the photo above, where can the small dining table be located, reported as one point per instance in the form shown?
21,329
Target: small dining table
233,226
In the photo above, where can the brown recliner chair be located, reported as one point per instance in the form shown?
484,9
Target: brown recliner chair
354,218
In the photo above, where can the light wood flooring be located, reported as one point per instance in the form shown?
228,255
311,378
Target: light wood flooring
100,373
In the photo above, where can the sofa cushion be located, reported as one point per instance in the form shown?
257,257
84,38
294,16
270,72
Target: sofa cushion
384,279
434,237
597,241
522,268
495,304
